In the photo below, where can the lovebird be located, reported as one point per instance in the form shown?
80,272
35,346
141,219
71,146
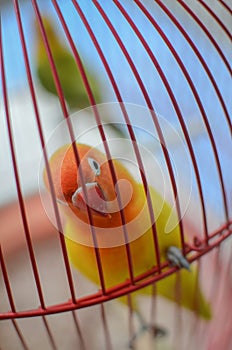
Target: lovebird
70,78
89,188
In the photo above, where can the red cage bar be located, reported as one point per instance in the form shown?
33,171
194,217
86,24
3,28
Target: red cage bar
193,250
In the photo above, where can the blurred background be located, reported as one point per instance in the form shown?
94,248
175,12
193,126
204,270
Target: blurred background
214,49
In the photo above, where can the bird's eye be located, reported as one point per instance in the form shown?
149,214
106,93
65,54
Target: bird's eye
95,166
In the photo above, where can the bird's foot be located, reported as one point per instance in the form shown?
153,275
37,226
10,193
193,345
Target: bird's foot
155,331
176,258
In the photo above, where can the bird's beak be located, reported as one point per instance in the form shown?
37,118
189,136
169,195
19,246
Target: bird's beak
95,199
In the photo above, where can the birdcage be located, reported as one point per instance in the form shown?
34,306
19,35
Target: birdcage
156,90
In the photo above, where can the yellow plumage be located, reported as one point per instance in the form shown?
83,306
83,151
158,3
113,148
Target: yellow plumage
108,227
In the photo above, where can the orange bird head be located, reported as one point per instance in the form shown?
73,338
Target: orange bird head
89,184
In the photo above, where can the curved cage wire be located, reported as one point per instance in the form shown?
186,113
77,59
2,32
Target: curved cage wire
164,77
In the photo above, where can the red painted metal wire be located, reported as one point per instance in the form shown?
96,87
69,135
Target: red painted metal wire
127,287
17,181
79,332
49,333
129,126
153,114
200,57
226,6
217,19
106,328
70,128
20,335
207,32
108,155
29,76
181,119
195,250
